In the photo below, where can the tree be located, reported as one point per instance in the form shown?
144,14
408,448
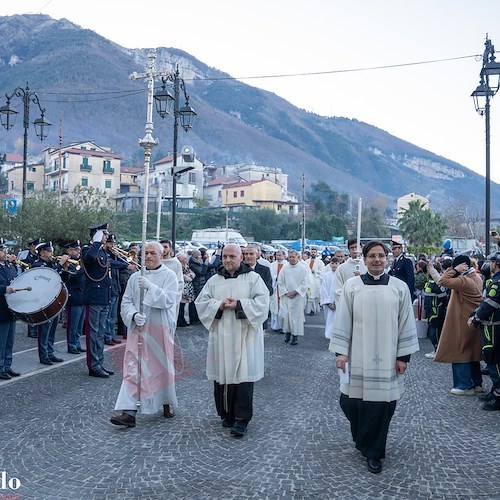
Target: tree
420,226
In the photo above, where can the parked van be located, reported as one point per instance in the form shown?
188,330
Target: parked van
218,234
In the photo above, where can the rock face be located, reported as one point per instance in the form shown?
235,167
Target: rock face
83,79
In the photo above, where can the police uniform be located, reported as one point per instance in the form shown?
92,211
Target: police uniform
7,320
487,316
29,260
74,278
47,331
402,268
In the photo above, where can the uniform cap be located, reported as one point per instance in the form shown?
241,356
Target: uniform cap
44,246
494,257
98,227
34,242
73,244
111,238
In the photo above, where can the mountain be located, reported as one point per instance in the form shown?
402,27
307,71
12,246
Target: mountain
83,79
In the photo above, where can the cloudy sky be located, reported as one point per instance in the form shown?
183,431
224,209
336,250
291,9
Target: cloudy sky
426,103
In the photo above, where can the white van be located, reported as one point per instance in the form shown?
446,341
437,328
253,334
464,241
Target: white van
218,235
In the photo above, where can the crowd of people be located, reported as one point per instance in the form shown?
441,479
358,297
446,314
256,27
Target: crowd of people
368,300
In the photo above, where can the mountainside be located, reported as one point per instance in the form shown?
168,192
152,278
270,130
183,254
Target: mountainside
83,79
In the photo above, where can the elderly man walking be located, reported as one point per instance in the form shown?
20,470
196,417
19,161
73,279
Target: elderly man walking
232,306
150,341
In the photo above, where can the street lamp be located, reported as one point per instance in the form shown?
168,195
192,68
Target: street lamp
482,96
8,118
184,114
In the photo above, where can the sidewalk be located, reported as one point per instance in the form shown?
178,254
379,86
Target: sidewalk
57,440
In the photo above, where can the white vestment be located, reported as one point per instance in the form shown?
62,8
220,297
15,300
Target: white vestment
291,313
157,350
176,267
327,296
346,271
235,346
275,300
374,325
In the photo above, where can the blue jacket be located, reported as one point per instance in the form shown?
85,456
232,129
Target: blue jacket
97,269
7,273
75,283
402,268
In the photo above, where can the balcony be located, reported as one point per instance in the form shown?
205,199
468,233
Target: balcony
85,167
108,170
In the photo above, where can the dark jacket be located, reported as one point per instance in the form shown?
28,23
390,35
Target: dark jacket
200,270
265,274
7,273
402,268
75,282
97,268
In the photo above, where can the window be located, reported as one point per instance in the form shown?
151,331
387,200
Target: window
32,169
85,165
107,184
279,207
192,178
85,181
242,193
235,194
54,185
30,186
107,168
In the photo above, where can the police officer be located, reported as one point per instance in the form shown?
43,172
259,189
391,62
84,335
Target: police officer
487,316
28,257
402,267
74,277
96,296
47,330
7,320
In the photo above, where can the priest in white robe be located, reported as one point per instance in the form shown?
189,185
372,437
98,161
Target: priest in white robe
353,266
153,387
232,306
373,337
171,262
274,305
327,296
293,283
316,267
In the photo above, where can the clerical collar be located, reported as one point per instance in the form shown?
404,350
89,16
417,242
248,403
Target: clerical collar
155,269
369,279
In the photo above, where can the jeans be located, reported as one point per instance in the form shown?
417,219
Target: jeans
7,334
467,375
74,326
112,316
46,337
95,327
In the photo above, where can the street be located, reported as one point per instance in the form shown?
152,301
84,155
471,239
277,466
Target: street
57,441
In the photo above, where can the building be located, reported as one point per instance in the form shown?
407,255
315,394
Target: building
14,177
403,203
82,164
129,198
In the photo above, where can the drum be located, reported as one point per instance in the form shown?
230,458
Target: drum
41,295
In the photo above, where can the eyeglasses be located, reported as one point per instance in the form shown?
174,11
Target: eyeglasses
375,256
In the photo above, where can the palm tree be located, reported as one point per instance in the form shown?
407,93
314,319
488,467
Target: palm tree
420,226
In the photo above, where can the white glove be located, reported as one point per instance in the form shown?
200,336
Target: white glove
98,236
140,319
144,282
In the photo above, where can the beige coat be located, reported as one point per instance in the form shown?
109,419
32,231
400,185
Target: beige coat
458,343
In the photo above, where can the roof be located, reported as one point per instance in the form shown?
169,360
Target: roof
222,180
131,170
91,152
13,158
248,183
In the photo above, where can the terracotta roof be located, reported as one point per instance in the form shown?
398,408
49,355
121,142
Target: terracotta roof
245,183
13,157
222,180
131,170
91,152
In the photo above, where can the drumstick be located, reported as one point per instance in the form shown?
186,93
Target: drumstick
28,288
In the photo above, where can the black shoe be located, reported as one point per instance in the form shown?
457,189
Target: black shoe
488,396
168,411
485,371
55,359
4,376
181,324
294,340
46,362
239,429
374,465
116,341
109,372
226,422
73,351
81,349
109,342
32,335
287,336
493,405
311,313
98,373
124,419
12,373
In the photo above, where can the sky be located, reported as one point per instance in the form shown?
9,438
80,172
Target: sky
428,104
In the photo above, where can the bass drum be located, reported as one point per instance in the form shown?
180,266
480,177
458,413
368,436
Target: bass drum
42,295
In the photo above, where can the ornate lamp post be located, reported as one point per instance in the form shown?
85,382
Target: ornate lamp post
488,87
184,114
8,118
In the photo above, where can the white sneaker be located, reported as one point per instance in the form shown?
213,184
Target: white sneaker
479,389
430,355
462,392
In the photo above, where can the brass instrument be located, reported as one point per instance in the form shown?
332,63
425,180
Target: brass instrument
18,262
71,261
126,256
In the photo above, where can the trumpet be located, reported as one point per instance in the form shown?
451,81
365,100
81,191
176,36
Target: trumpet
126,256
18,262
71,261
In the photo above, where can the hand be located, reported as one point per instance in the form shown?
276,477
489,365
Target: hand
9,289
98,236
332,306
140,319
400,367
341,361
64,260
144,282
230,303
132,266
461,268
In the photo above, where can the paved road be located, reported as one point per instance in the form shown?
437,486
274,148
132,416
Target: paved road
58,442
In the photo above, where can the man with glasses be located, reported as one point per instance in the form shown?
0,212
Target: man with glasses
373,337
